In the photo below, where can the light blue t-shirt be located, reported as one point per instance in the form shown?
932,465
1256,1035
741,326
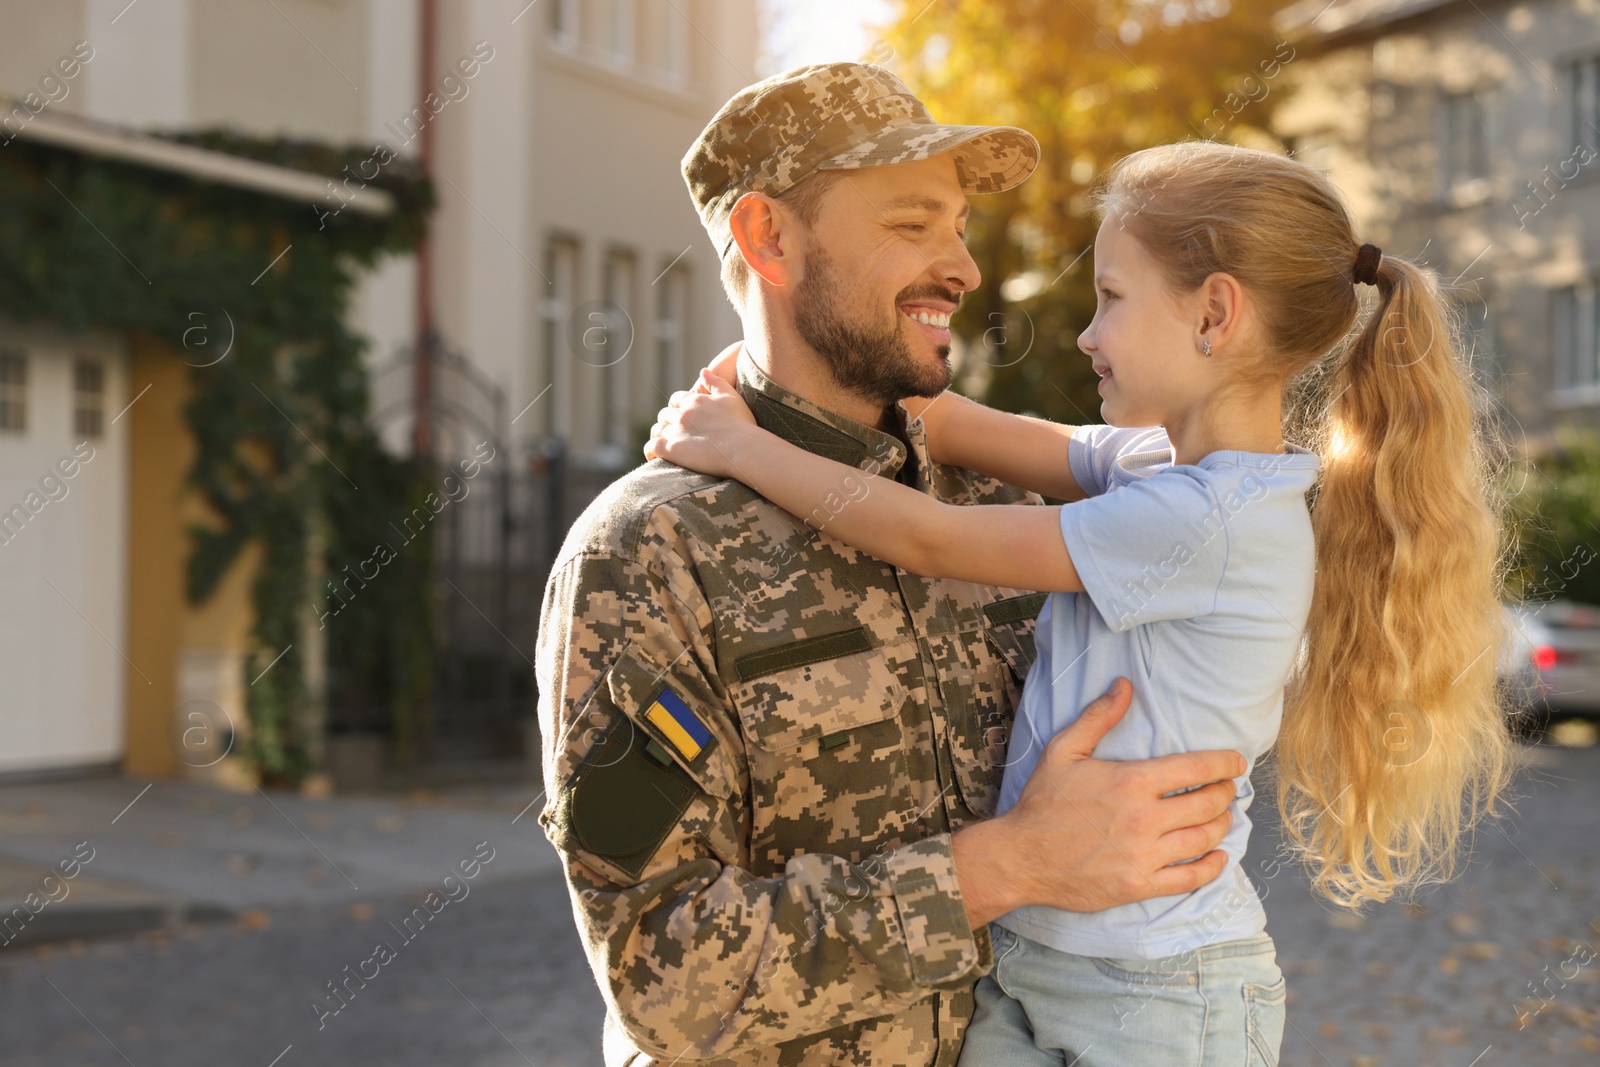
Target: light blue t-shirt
1198,582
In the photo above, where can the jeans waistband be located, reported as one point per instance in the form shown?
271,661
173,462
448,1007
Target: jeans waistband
1257,945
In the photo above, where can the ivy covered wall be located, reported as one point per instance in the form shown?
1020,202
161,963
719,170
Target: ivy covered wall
286,457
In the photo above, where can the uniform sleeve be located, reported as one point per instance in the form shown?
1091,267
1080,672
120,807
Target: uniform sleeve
697,957
1092,449
1151,550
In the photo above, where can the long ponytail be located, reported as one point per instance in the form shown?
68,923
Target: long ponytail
1394,742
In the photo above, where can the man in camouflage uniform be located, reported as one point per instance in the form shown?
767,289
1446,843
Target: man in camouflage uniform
760,745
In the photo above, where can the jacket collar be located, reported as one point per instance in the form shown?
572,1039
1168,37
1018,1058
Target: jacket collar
816,429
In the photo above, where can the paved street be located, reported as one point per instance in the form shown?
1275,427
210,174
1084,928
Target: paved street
272,903
1451,981
496,976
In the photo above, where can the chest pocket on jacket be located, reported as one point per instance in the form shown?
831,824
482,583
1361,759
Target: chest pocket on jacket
982,688
826,746
1011,629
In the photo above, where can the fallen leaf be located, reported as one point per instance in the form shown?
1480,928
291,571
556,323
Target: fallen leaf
1575,1015
241,863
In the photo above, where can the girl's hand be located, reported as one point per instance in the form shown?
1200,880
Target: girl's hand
698,429
725,366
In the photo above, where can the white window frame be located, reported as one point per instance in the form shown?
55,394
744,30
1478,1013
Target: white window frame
559,298
88,403
1575,345
675,55
565,30
1583,102
1470,188
619,283
623,43
672,329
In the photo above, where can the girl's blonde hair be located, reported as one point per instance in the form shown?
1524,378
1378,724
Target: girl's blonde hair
1394,741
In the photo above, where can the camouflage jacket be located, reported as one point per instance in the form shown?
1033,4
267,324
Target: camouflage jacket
757,742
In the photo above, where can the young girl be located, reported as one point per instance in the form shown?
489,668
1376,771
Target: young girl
1188,560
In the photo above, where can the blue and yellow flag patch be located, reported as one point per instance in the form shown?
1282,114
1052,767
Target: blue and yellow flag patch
680,726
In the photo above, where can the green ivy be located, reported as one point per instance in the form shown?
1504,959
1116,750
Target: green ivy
1556,514
287,458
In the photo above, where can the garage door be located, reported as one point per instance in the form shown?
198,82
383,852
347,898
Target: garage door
63,581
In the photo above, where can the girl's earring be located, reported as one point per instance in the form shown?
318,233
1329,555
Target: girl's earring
1205,348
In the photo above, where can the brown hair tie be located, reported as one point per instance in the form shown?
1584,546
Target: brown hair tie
1367,259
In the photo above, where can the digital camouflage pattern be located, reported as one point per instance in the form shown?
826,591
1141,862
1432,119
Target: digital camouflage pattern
836,116
788,895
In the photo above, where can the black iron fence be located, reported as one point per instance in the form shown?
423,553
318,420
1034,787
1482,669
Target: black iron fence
493,560
493,542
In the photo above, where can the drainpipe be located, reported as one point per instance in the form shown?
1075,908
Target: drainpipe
422,384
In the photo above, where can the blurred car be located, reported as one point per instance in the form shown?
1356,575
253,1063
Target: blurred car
1516,672
1551,664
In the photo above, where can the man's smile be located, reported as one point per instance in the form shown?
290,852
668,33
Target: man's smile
932,319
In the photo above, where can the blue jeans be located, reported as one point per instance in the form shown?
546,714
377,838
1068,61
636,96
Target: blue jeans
1220,1005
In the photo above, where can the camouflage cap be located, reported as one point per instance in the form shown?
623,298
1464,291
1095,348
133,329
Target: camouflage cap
835,116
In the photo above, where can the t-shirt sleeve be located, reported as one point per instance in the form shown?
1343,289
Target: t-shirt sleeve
1091,451
1151,550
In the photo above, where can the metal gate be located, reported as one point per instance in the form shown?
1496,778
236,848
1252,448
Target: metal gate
493,548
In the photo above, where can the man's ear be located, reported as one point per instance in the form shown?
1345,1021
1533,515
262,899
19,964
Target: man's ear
760,229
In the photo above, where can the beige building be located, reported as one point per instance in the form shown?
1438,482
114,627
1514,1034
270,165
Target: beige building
565,265
564,235
107,663
1468,136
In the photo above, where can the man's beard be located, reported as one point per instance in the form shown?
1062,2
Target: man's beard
870,359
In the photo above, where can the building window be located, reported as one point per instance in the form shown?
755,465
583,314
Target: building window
674,44
560,297
672,330
624,30
13,391
1576,330
1464,141
610,351
1583,103
564,22
88,397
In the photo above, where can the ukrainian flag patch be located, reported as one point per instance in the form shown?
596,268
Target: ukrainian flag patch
680,726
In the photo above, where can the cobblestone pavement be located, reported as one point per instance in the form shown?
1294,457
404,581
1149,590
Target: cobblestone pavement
498,977
1501,967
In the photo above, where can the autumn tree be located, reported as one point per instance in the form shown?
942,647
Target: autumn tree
1093,81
